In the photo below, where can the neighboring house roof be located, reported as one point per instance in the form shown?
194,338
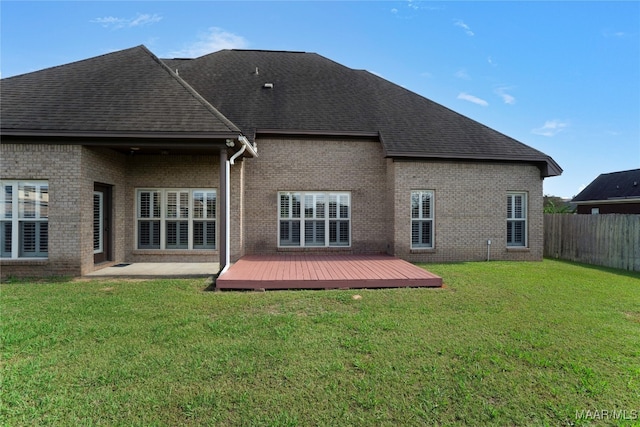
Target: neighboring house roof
311,93
621,186
130,92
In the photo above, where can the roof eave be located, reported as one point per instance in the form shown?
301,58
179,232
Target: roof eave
611,201
318,133
548,167
120,139
118,134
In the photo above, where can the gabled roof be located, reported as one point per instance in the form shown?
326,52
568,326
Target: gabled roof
614,186
232,92
130,92
312,94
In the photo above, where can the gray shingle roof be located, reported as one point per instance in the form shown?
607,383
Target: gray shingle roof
313,93
133,92
130,91
612,186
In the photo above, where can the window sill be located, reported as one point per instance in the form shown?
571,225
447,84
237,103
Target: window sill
24,261
422,250
175,252
518,249
315,249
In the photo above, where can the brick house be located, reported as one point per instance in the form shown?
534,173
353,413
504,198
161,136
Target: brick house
611,193
129,158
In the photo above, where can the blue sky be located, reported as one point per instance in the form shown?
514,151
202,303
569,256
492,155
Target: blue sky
562,77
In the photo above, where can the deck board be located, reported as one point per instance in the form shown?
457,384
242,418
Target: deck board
307,271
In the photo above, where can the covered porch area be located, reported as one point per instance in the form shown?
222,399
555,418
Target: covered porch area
306,271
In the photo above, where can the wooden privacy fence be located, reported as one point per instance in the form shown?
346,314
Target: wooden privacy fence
607,240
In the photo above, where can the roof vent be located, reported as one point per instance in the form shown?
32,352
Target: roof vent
268,86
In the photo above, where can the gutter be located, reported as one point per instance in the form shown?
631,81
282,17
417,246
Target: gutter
609,201
246,145
238,153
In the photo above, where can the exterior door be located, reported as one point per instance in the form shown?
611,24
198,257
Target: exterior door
102,237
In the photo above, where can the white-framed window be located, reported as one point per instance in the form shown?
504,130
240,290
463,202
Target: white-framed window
422,219
314,219
170,218
24,219
98,222
517,219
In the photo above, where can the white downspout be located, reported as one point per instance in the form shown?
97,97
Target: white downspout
245,145
238,154
228,164
227,214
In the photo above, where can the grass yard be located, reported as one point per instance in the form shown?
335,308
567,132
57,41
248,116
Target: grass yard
504,343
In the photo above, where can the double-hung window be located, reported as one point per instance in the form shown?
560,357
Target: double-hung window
421,219
517,219
176,219
24,214
204,219
314,219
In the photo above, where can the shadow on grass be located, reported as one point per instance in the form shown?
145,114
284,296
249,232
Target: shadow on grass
618,271
36,280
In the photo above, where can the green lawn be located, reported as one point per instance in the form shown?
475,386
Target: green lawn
504,343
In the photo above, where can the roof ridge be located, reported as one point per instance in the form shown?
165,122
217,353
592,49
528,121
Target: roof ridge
625,171
267,50
79,61
232,126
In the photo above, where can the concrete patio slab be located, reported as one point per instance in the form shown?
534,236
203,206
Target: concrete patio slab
158,270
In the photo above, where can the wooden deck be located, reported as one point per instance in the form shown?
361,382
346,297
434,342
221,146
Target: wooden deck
324,272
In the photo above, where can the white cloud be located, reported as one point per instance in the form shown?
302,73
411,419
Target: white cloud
462,74
213,40
465,27
551,128
474,99
506,97
394,10
117,23
412,5
110,21
491,62
615,34
145,19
